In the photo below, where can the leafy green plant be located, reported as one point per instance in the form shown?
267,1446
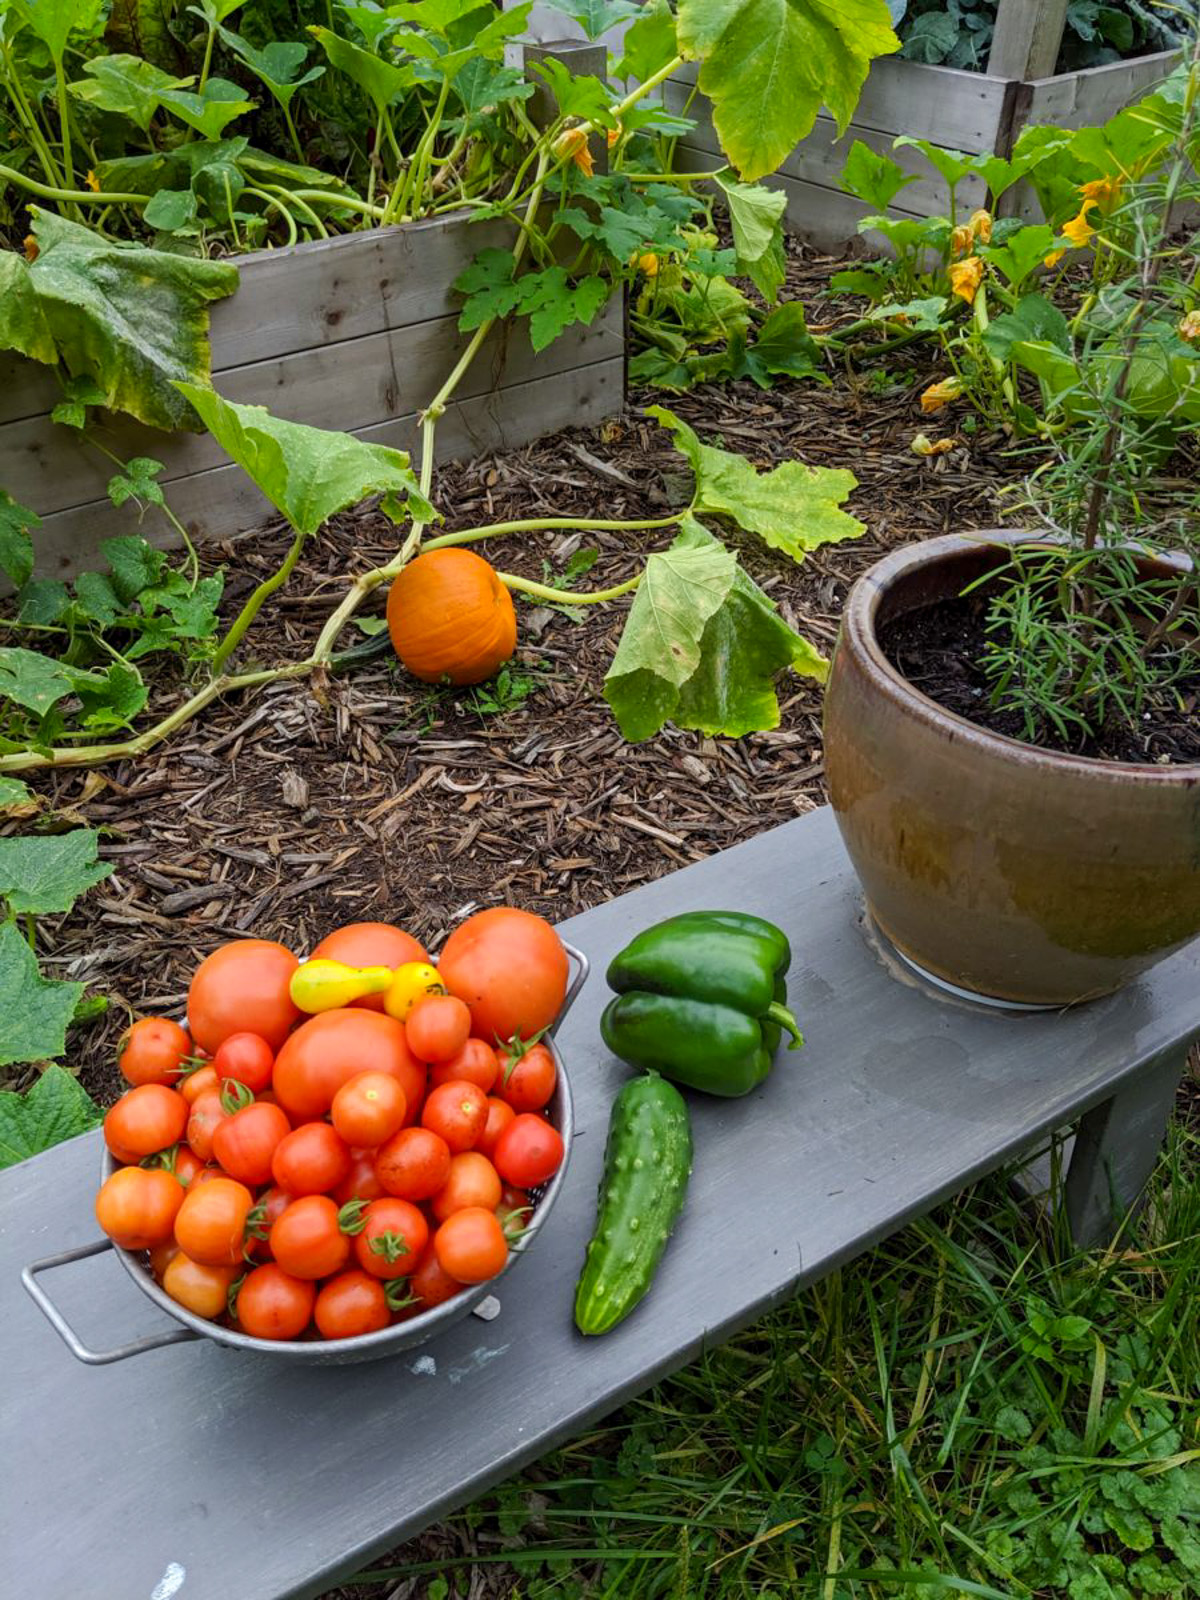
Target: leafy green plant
958,33
55,1108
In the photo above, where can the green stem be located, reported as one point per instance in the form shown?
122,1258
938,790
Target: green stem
28,119
334,197
778,1012
252,607
31,931
291,128
304,208
497,530
64,122
208,55
46,191
271,200
568,597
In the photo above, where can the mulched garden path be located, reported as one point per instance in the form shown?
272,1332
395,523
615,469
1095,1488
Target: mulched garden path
284,815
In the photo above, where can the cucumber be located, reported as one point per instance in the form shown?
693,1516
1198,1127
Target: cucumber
647,1162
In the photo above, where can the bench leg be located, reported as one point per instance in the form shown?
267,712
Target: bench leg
1116,1147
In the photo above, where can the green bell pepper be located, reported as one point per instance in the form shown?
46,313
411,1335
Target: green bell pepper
700,999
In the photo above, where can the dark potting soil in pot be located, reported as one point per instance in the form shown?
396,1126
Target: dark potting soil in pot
937,648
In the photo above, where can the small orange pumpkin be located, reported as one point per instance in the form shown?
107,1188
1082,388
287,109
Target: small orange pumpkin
450,618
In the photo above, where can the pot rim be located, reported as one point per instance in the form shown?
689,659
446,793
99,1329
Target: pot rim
858,625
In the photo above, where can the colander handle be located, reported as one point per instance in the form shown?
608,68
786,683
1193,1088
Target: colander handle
93,1358
582,967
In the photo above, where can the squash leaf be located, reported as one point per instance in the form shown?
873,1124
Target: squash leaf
57,1107
44,874
308,474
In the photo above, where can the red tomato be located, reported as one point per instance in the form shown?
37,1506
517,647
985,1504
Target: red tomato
500,1114
457,1112
528,1081
211,1224
369,1109
362,1181
370,944
268,1208
144,1121
198,1288
528,1151
328,1050
431,1283
197,1083
476,1062
247,1059
393,1236
307,1240
351,1304
311,1160
205,1117
513,1203
153,1051
510,968
188,1165
472,1181
273,1305
471,1246
243,987
161,1256
137,1207
437,1027
245,1143
413,1164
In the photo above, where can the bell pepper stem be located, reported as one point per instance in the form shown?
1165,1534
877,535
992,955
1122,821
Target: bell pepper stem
779,1013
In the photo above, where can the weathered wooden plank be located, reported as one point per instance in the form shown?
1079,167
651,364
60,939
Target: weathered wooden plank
1028,38
1078,99
351,385
222,501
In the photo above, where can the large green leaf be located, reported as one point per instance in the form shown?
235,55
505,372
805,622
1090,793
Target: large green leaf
16,544
756,215
793,508
649,44
597,16
129,86
308,474
57,1107
1033,318
210,110
768,66
44,874
36,682
132,319
55,20
702,646
381,81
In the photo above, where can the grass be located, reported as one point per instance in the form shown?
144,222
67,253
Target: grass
972,1409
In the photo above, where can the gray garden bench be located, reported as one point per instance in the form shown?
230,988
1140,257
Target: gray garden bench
217,1476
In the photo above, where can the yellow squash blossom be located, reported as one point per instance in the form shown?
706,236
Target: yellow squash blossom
1079,230
646,263
965,278
30,246
613,135
1103,192
962,241
1054,258
92,181
922,446
980,225
1189,328
572,145
941,394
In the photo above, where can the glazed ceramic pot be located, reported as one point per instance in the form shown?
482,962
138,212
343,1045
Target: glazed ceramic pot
997,867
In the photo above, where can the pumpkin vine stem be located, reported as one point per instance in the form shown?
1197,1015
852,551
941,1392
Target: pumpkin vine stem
569,597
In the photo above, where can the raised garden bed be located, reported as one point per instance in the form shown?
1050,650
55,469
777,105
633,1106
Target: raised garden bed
354,333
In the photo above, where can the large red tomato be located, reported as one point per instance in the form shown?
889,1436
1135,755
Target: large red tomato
243,988
370,944
510,968
330,1049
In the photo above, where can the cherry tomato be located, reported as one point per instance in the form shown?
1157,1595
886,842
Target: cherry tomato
206,1116
328,1050
471,1246
528,1081
307,1240
510,968
369,1109
245,1143
268,1208
362,1181
243,987
413,1164
161,1256
353,1303
311,1160
273,1305
201,1289
437,1027
211,1224
188,1165
431,1283
500,1114
528,1151
513,1203
475,1063
246,1058
144,1121
473,1181
393,1237
153,1051
137,1207
457,1111
197,1083
370,944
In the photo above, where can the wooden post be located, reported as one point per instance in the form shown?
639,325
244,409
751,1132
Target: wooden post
583,59
1027,38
